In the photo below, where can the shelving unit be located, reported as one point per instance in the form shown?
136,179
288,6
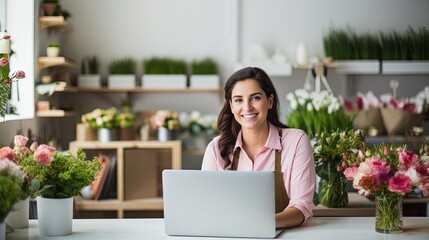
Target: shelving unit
54,23
130,203
45,62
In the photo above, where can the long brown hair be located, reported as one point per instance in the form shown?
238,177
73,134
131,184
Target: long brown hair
228,127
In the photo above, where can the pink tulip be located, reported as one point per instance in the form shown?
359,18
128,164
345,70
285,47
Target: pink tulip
20,74
3,62
6,37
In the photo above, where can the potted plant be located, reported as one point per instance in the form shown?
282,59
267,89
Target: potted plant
89,73
126,123
61,176
50,7
53,49
204,74
104,121
355,54
122,73
164,73
405,53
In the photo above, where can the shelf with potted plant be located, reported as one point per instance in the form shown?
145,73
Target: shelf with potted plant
405,53
204,74
164,73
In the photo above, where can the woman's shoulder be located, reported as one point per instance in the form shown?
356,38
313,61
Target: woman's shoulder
294,133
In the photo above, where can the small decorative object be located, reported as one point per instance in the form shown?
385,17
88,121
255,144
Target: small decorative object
329,148
53,49
122,73
104,121
89,73
315,112
388,173
204,74
5,79
164,73
167,123
61,176
301,54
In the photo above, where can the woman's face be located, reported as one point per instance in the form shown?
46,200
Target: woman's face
250,105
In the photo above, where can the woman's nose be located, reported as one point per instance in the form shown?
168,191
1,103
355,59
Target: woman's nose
248,105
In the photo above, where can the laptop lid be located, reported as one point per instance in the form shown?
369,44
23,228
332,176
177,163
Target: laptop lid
219,203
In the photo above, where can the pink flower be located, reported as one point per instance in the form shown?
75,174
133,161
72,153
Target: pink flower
47,147
20,140
400,183
43,157
3,62
407,158
6,37
6,153
350,172
34,146
19,74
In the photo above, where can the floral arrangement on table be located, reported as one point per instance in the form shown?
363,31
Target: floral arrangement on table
315,112
58,174
388,173
12,180
329,149
5,78
166,119
101,118
196,123
125,119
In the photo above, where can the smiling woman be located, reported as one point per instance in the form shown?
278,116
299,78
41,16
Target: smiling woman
17,18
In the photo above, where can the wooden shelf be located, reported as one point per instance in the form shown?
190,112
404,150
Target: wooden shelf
54,23
45,62
137,90
55,113
121,203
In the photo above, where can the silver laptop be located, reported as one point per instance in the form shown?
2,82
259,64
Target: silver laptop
219,203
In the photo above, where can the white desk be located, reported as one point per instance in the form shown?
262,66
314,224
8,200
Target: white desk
153,229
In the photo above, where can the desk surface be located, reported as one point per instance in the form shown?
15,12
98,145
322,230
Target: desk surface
316,228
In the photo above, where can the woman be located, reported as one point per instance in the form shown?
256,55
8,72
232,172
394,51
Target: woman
251,138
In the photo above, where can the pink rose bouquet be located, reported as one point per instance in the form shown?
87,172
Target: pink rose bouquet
55,174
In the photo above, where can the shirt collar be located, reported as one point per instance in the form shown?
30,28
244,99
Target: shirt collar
272,142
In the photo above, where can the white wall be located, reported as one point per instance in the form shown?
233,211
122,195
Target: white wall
226,30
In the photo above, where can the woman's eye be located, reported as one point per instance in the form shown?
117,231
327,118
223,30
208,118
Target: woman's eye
256,98
238,100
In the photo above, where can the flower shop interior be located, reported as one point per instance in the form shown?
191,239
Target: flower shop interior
72,55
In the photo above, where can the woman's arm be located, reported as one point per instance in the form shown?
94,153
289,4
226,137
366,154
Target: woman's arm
290,217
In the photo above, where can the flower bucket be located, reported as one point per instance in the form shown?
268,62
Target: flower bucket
370,118
388,214
164,134
106,135
55,216
332,188
20,214
84,133
127,133
2,230
399,122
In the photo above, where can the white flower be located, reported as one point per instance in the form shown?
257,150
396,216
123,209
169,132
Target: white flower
293,104
290,97
309,107
302,93
413,175
184,119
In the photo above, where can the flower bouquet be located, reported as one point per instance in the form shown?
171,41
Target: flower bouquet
315,112
101,118
388,173
12,178
167,123
197,129
329,149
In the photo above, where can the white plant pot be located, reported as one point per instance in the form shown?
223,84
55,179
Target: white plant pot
204,81
89,81
171,81
55,216
405,67
20,214
52,51
358,67
121,81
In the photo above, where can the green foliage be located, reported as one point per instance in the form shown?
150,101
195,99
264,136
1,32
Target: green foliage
157,65
125,120
418,43
90,65
346,44
4,86
10,193
54,44
122,66
204,67
394,46
101,118
65,176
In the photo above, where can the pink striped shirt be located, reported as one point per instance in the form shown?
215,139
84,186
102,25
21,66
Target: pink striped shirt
297,164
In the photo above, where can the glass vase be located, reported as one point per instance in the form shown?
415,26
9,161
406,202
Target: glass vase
332,190
388,214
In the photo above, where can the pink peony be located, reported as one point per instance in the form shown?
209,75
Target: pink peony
47,147
43,157
407,158
400,183
350,172
6,153
20,140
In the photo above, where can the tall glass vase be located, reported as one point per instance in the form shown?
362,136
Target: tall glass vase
388,214
332,188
